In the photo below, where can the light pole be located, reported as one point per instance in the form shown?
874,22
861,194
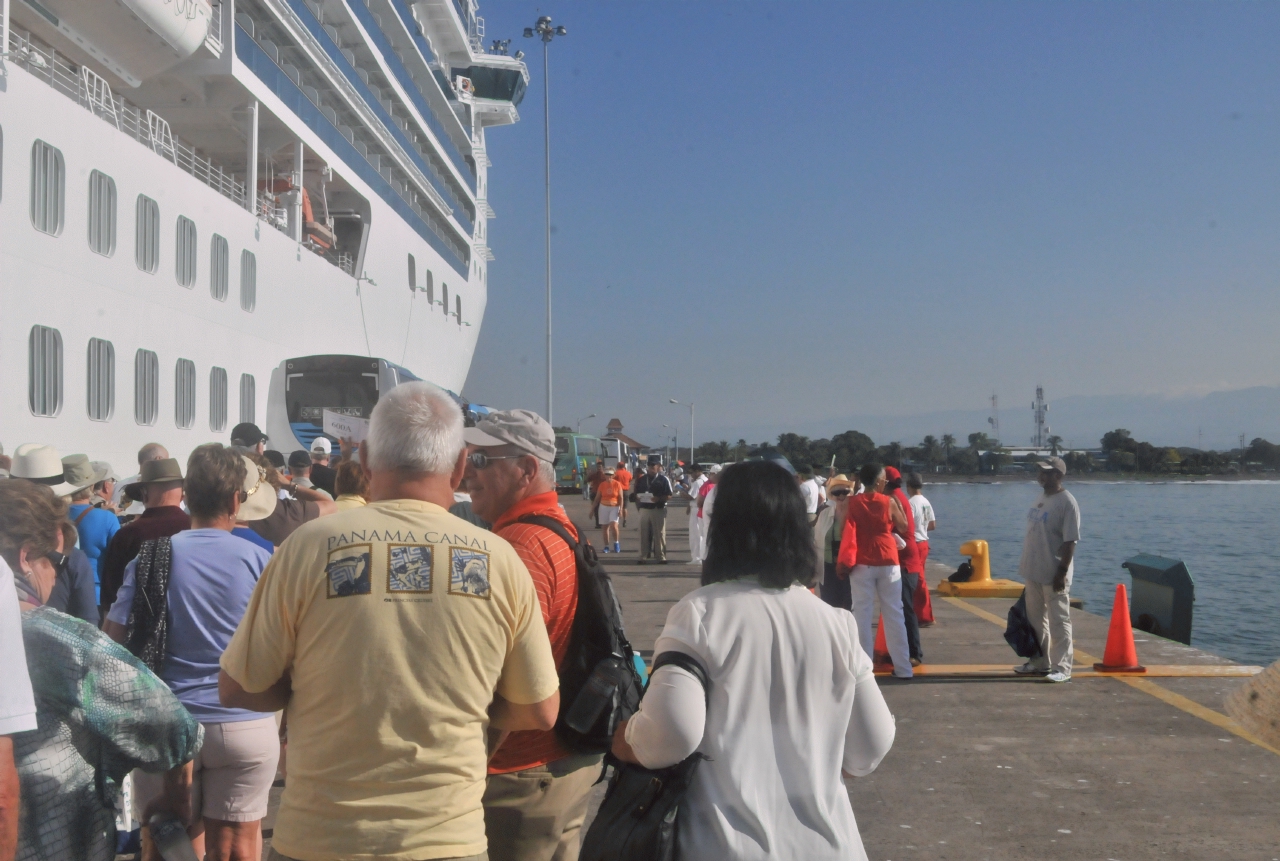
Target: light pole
583,419
676,430
693,457
544,29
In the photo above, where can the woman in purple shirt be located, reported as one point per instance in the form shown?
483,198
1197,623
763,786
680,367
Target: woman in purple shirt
205,576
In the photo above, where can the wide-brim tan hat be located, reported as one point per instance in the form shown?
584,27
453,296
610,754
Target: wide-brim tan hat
260,496
41,464
1255,705
155,472
79,471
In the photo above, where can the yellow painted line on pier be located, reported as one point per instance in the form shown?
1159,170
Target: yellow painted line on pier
1159,671
980,613
1178,701
1192,707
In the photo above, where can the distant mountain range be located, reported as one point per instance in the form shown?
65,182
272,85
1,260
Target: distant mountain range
1211,421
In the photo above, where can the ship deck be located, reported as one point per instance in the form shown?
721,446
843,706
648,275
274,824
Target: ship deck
999,767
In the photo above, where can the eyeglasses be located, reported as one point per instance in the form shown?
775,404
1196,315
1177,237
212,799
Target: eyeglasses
58,560
480,460
839,493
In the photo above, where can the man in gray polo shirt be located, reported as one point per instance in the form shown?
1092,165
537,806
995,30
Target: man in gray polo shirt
1053,528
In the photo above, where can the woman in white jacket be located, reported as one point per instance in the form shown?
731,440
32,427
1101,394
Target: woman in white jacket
791,703
828,529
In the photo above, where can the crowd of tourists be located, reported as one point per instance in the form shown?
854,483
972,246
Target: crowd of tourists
401,619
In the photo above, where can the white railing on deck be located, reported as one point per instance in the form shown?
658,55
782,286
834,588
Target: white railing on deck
213,41
92,92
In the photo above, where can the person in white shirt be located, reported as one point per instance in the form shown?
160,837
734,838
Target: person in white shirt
695,537
922,512
811,491
17,708
772,784
1048,550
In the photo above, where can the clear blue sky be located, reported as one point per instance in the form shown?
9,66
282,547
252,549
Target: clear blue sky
795,212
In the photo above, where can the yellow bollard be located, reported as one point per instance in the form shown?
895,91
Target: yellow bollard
979,557
981,584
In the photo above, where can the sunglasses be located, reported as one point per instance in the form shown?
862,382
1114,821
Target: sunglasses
839,493
480,460
59,561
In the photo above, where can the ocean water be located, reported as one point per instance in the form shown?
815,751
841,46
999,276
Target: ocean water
1228,534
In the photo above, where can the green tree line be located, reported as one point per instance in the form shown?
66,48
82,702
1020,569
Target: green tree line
979,453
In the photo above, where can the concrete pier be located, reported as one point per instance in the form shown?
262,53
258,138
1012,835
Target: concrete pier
1014,768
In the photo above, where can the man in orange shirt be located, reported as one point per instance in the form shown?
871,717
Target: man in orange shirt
536,799
609,502
623,476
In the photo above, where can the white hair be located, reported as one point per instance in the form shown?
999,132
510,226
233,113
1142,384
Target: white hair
547,472
416,428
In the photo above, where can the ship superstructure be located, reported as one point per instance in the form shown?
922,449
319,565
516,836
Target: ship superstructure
192,191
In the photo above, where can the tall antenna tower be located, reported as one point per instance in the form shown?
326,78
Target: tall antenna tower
1038,410
994,420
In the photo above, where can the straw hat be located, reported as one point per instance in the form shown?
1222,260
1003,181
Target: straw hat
840,481
260,496
1255,705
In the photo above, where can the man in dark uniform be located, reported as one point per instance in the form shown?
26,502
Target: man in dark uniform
651,492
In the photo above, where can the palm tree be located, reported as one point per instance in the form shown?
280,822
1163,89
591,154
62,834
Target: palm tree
948,440
1055,445
929,449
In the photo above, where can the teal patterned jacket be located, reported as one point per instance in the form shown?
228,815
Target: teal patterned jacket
100,714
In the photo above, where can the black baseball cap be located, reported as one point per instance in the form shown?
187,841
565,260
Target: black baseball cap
299,459
247,434
274,458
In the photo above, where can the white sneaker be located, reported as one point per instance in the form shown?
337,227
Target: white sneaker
1057,676
1030,669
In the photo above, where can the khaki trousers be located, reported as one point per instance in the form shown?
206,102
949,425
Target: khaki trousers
537,815
1050,616
653,533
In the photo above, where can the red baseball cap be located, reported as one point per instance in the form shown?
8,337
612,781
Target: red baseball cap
891,473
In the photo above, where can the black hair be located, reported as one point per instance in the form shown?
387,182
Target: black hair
868,474
759,527
894,483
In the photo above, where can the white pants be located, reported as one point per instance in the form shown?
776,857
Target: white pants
1050,614
695,535
866,582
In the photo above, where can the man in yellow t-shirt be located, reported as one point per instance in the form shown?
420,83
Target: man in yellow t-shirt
395,634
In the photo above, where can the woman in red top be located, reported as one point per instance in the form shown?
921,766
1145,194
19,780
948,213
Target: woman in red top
868,547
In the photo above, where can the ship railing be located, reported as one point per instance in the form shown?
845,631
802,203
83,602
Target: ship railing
93,93
213,41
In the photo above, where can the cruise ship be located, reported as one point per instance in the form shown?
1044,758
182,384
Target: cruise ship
195,193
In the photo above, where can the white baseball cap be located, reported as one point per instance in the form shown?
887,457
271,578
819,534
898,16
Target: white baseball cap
321,445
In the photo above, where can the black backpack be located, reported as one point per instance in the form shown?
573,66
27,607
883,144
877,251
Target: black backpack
963,574
1018,633
597,641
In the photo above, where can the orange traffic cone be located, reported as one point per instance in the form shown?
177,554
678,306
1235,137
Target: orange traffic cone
1121,655
880,651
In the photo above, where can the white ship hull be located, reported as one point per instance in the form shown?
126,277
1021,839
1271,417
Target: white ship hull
305,304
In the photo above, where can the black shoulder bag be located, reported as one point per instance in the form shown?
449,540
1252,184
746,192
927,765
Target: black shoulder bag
637,818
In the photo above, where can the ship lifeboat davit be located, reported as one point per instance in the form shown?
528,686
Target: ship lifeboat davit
133,39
